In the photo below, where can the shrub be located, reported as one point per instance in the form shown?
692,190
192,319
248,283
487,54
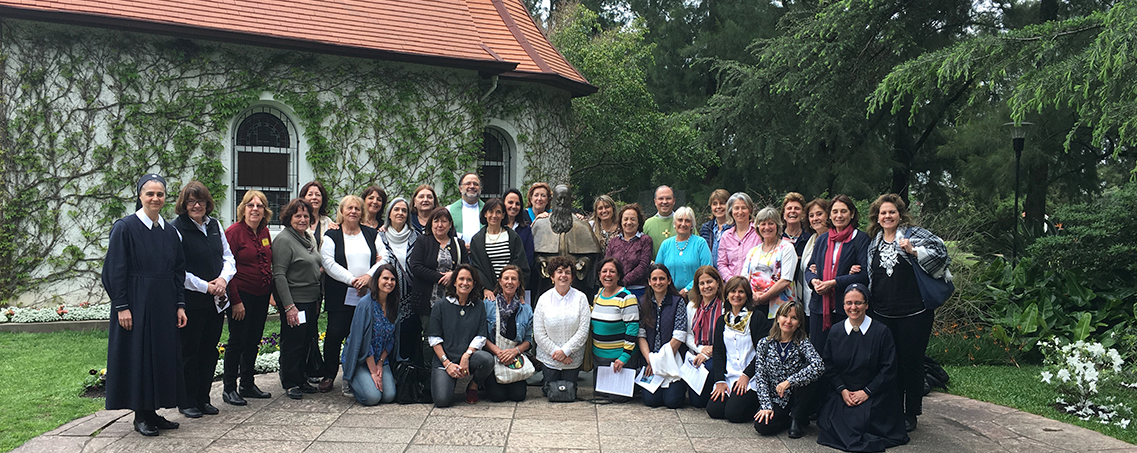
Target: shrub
1092,237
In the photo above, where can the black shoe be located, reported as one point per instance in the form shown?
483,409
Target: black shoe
162,423
209,409
306,388
796,430
145,428
234,398
253,391
909,423
191,412
295,393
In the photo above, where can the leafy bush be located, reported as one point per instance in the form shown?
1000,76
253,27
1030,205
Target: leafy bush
1078,370
974,344
1093,237
1031,302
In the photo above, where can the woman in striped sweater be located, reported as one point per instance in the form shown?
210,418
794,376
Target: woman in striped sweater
496,246
615,321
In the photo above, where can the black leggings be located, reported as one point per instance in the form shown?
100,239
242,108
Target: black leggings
734,408
199,354
245,340
796,409
294,342
339,325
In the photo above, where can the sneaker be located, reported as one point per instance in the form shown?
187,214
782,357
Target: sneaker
347,391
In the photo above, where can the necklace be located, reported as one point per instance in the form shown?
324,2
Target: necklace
888,256
784,350
681,249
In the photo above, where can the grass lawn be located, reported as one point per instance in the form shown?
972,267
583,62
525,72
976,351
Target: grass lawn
43,377
1021,388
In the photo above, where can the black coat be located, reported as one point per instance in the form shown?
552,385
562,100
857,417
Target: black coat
144,272
423,264
855,251
481,261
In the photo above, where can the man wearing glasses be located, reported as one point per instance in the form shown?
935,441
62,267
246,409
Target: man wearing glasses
466,211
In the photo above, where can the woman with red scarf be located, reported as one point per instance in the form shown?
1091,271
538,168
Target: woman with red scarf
836,255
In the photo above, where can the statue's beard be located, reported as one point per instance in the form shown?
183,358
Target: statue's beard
561,217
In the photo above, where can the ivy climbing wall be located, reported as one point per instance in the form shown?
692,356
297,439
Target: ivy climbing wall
84,112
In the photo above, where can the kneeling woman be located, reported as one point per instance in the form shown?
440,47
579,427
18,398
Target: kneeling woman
732,362
863,410
785,368
512,336
458,331
663,320
366,355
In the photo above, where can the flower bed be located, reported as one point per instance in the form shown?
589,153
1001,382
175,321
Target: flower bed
81,312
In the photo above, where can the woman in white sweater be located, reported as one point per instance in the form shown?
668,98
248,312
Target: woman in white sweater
560,325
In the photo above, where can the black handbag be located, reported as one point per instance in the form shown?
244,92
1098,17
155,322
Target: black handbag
412,384
560,391
314,362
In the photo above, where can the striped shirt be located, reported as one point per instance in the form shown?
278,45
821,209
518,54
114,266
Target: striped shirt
497,248
615,326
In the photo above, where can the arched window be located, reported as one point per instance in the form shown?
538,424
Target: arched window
495,167
265,156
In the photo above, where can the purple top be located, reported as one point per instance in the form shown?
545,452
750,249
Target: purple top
634,256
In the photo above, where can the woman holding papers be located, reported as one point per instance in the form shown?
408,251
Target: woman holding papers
736,332
350,259
785,367
705,307
615,321
296,280
663,328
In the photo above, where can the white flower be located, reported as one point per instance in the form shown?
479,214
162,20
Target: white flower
1092,375
1064,375
1096,349
1123,423
1046,376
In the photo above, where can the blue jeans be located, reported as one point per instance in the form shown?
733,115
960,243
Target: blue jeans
363,386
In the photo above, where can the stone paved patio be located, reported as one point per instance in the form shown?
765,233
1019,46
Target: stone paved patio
331,422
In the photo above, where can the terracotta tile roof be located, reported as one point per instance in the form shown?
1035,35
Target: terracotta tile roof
492,36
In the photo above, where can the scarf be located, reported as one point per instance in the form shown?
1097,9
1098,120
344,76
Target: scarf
399,237
829,271
737,323
703,327
506,309
306,239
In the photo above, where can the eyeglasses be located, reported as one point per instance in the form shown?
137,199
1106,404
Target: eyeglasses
194,203
255,206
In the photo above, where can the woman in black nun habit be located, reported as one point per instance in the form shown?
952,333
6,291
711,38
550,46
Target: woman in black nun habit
863,411
144,274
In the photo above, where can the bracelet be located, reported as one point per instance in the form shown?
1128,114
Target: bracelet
443,358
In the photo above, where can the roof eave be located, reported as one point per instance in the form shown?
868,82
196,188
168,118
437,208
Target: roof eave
211,34
577,89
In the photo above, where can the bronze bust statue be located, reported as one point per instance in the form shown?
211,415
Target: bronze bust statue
563,234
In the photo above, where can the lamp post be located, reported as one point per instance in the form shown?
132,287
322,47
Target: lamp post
1018,138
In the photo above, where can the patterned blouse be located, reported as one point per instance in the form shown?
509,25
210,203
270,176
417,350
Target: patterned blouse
382,335
775,362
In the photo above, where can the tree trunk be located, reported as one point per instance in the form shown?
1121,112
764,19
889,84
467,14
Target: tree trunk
902,154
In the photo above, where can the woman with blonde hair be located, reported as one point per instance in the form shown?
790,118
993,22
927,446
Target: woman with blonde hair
350,258
604,221
785,368
539,196
250,293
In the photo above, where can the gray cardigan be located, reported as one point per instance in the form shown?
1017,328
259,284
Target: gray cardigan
296,274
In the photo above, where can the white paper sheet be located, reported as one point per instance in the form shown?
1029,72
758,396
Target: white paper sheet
300,316
650,383
352,297
609,381
696,377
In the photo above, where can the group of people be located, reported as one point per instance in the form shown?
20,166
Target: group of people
753,298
